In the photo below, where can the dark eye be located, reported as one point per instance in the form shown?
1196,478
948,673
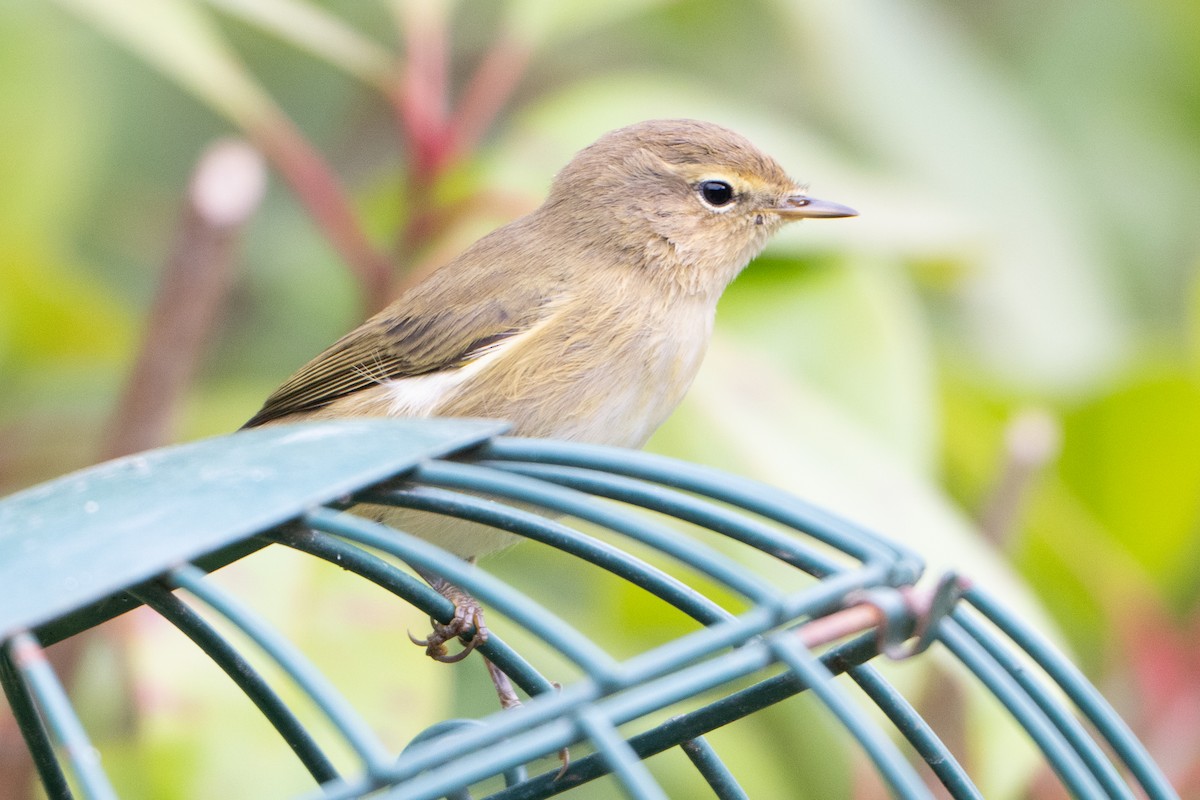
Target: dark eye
716,193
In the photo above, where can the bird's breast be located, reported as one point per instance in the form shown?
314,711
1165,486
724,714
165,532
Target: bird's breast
603,377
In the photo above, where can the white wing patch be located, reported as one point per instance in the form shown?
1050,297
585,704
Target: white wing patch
422,395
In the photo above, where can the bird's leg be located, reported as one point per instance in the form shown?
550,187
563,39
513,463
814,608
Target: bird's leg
509,699
504,688
468,616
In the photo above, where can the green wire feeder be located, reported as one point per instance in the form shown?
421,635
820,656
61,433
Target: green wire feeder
86,547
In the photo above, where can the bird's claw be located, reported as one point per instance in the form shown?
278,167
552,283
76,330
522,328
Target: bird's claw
467,619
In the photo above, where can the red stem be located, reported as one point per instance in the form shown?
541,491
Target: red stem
319,190
490,88
424,97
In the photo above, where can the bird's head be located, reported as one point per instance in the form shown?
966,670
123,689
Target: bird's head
688,200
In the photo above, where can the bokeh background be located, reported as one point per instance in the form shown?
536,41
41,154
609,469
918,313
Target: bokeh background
996,362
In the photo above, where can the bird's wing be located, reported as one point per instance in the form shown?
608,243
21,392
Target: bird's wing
404,344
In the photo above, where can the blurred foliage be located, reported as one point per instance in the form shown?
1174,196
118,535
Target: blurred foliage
1028,181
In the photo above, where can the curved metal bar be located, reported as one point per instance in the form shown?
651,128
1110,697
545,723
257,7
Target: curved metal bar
192,625
820,599
897,772
1062,758
415,591
37,738
1085,696
619,756
482,764
567,479
747,494
713,769
562,537
582,506
687,726
29,660
524,734
1091,754
747,530
412,590
564,638
927,744
512,777
352,727
424,771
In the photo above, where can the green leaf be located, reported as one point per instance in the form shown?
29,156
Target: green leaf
316,31
539,22
1133,459
56,312
51,133
757,421
179,40
923,99
853,329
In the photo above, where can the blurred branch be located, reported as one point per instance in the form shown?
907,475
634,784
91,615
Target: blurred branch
489,89
435,132
319,190
1031,441
225,190
423,102
176,38
425,227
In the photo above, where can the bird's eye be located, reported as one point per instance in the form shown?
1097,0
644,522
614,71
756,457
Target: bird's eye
716,193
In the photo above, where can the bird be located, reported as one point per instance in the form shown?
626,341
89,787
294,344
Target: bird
585,320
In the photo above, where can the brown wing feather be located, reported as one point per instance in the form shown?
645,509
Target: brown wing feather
394,345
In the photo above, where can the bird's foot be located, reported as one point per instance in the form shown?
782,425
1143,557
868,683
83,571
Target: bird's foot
467,619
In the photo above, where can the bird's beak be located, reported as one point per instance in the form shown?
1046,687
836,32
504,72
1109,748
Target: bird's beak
799,206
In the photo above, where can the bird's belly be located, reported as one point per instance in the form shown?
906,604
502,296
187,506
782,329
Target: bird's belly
619,400
462,538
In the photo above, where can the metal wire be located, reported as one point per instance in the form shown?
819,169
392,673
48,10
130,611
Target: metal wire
252,684
1061,757
917,731
713,769
348,722
1085,697
37,738
28,660
847,597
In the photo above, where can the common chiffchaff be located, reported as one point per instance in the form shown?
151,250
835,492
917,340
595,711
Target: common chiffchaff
584,320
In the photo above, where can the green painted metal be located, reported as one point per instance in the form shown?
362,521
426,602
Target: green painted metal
618,756
1086,698
710,765
423,555
84,536
83,548
33,730
917,732
899,775
349,723
1062,758
255,687
539,529
29,661
519,489
1068,727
